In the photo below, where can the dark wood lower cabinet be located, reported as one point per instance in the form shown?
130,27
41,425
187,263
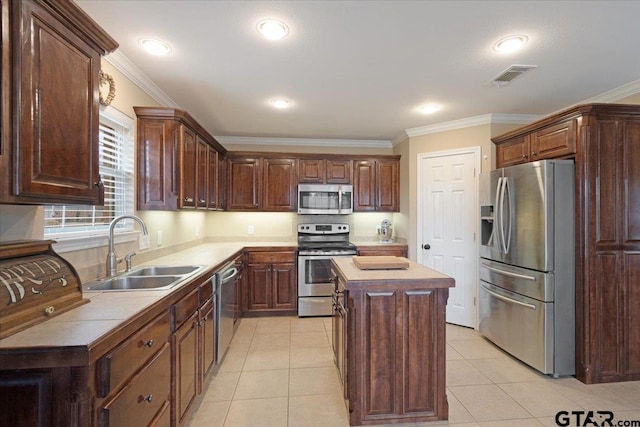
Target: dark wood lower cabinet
389,345
185,344
271,282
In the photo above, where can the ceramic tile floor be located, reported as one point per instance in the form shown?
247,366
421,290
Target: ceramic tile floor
279,372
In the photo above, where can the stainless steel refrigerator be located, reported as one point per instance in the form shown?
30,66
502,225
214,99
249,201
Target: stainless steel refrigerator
527,273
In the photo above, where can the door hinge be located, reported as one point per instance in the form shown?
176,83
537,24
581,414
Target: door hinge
474,301
474,237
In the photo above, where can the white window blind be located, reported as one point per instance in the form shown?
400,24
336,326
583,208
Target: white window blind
117,174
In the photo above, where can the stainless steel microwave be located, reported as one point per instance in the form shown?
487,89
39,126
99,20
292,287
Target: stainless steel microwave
325,199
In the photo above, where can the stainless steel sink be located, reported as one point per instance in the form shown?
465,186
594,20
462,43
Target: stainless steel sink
163,270
152,278
122,283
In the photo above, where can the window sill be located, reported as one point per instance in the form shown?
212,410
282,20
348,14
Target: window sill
77,243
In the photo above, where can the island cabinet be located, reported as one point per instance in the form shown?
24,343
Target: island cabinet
261,183
270,281
324,171
606,141
175,161
376,185
194,346
51,52
389,342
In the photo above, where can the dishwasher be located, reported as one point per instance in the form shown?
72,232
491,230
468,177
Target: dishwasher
225,293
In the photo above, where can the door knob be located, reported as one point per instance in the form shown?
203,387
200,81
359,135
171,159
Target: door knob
426,246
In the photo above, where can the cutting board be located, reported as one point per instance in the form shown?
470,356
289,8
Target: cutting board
380,262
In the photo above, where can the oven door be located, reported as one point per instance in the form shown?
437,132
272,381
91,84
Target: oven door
314,275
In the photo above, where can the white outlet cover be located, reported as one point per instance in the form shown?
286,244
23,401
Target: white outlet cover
251,229
143,241
159,238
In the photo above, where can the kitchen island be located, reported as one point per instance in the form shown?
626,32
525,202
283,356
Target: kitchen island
389,342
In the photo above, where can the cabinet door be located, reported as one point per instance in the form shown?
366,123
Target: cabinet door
387,185
338,172
364,185
259,287
157,172
202,181
554,141
188,168
185,344
513,152
279,189
243,184
284,286
311,171
208,338
56,100
212,175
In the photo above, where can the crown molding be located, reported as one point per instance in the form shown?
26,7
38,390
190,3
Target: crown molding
613,95
133,73
307,142
483,119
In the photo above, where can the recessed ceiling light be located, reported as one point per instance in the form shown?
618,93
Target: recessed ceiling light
510,44
280,103
428,108
272,29
155,47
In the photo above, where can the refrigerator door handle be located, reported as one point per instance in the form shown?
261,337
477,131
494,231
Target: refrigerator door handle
500,209
508,273
497,221
507,189
507,299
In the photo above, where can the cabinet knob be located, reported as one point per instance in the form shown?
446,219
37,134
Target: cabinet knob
533,153
148,399
98,184
148,343
426,246
200,200
524,156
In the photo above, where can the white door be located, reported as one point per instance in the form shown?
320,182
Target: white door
447,219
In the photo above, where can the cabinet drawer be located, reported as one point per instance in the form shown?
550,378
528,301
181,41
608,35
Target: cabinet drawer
271,257
144,398
184,309
206,290
117,366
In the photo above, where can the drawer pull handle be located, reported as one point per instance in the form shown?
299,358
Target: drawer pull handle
149,343
188,199
148,399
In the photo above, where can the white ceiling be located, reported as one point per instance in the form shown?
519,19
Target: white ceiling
359,69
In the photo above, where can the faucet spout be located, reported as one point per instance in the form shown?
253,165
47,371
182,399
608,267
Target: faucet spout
112,258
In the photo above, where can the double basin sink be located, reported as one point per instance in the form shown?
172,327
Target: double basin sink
154,278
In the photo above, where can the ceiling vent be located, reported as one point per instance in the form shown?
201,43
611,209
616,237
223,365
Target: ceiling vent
510,74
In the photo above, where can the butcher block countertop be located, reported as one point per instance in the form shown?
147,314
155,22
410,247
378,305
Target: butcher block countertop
415,275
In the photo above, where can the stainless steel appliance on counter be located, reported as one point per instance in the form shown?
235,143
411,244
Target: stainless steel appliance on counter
325,199
225,294
527,277
317,244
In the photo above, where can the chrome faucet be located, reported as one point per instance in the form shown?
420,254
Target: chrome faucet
112,258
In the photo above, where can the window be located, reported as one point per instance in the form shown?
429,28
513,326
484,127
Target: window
117,174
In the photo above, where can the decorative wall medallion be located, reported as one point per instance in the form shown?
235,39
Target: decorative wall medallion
107,79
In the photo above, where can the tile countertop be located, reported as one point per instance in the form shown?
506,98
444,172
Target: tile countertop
105,311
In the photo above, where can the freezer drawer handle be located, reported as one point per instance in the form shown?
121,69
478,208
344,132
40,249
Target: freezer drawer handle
508,273
506,299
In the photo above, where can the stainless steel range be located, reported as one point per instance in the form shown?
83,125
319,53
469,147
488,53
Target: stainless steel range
317,244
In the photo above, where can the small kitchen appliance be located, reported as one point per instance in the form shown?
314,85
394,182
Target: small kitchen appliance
317,244
384,232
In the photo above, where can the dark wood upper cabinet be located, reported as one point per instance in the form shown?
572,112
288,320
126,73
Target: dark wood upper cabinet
54,52
604,141
243,177
279,191
376,185
174,154
213,188
514,152
324,171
